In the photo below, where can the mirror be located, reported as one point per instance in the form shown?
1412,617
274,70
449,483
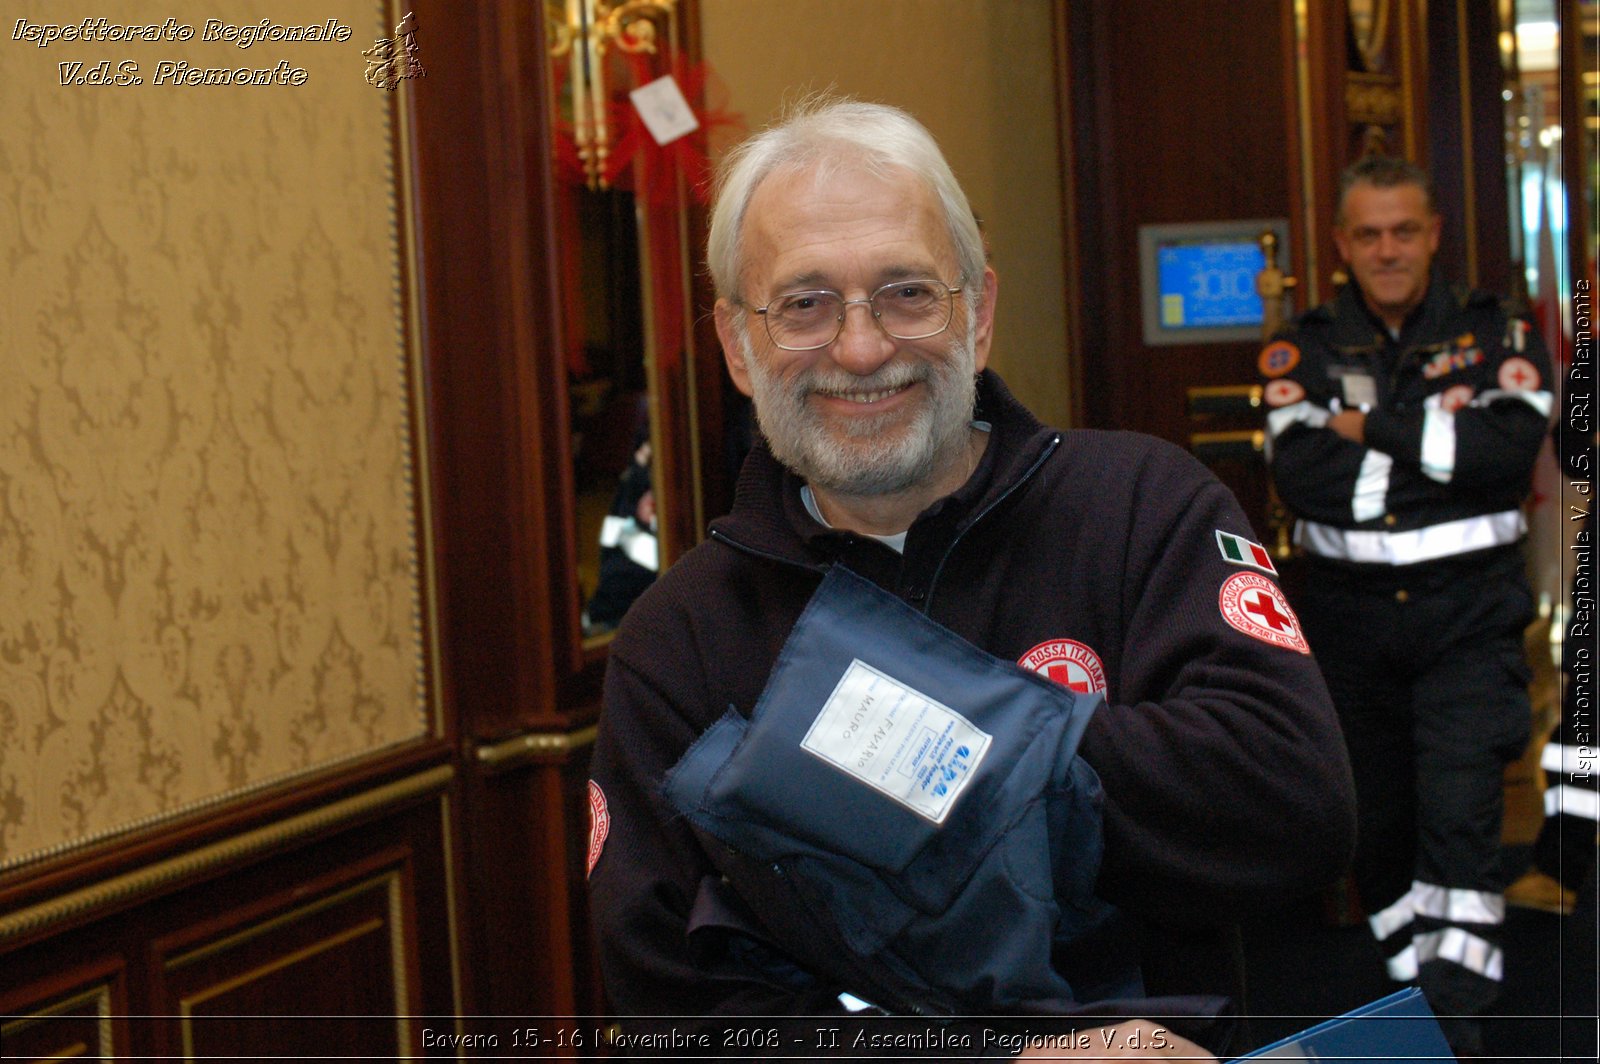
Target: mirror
624,250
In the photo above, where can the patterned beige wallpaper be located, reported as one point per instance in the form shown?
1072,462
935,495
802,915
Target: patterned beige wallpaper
209,572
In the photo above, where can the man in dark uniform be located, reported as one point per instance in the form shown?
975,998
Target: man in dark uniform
1404,419
856,308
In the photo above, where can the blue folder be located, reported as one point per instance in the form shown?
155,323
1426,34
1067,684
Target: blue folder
1398,1029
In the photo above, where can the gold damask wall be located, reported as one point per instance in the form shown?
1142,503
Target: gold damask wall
209,573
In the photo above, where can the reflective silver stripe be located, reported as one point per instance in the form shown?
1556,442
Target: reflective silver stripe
1544,402
1573,801
1438,445
638,543
1568,760
1403,965
1416,545
1301,413
1458,905
1372,486
1463,948
1396,916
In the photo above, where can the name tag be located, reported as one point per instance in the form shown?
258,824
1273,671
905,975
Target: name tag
1360,390
897,740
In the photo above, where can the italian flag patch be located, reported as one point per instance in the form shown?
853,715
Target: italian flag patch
1241,551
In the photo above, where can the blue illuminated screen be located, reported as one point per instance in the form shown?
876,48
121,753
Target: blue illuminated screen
1205,285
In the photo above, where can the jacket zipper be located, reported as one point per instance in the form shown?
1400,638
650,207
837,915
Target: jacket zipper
1027,475
927,603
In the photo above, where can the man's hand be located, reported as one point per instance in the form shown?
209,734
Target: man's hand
1351,424
1133,1040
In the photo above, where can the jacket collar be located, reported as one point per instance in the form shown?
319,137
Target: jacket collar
769,517
1357,326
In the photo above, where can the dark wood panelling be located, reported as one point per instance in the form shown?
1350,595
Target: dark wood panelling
497,412
59,1015
1178,112
1466,137
336,952
340,924
527,917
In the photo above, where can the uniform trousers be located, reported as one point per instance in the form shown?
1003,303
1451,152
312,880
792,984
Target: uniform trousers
1425,664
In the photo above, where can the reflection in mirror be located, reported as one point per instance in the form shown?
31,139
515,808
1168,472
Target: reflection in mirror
608,392
620,240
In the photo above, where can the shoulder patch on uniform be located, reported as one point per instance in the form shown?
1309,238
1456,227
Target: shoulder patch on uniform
1257,607
599,825
1453,399
1281,392
1518,375
1278,358
1241,551
1069,663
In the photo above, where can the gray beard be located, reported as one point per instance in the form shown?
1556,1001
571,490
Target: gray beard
870,459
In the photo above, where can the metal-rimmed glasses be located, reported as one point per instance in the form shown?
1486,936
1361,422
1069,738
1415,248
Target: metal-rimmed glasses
904,310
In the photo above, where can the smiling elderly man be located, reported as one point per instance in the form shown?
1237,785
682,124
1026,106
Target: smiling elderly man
1405,419
856,308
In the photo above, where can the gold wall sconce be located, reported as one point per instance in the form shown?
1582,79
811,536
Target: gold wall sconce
582,31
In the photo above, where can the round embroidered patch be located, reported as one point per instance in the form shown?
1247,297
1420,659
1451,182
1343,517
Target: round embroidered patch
1069,663
599,825
1278,358
1257,607
1282,393
1453,399
1518,375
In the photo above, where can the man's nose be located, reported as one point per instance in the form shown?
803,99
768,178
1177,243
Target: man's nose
862,346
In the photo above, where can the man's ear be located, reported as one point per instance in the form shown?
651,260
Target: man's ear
985,334
1341,240
732,349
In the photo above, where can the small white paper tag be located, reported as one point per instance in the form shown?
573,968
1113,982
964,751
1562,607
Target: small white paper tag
664,111
1360,391
897,740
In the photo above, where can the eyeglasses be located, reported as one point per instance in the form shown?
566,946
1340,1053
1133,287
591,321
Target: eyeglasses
1367,236
904,310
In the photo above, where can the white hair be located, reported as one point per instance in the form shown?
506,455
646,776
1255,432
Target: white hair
825,135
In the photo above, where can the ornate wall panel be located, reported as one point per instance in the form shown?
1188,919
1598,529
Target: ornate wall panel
209,563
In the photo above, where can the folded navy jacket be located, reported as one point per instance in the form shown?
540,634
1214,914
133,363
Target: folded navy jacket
923,802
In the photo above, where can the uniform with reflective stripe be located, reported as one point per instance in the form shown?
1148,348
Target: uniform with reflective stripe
1414,601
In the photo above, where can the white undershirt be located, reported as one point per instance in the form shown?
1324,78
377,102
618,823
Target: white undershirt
895,542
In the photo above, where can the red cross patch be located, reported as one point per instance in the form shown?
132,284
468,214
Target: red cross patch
599,825
1257,607
1518,375
1453,399
1069,663
1282,393
1278,358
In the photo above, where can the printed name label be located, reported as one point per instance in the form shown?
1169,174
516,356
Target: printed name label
897,740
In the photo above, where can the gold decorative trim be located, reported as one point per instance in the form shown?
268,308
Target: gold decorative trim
388,882
1373,99
149,880
408,320
99,994
1256,438
447,835
1413,73
322,945
1308,182
1244,393
536,744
